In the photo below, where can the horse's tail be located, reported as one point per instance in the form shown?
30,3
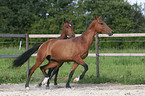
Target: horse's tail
19,61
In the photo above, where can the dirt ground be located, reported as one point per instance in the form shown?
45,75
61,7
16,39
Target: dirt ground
76,90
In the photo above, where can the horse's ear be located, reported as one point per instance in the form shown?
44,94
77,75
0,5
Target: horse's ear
100,17
64,20
95,17
70,21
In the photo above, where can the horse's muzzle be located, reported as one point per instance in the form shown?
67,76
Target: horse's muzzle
72,36
110,33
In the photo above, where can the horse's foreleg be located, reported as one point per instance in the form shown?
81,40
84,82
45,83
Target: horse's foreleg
82,75
80,61
85,70
75,65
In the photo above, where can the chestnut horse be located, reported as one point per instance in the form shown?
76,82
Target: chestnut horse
76,50
67,33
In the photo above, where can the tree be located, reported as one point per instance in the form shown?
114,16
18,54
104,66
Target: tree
117,14
18,15
52,19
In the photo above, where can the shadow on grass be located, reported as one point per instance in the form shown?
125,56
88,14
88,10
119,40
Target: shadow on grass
102,79
96,80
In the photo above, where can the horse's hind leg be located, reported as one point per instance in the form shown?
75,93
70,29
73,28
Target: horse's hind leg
56,74
31,71
51,65
45,74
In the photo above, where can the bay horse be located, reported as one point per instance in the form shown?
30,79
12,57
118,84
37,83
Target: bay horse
67,33
76,50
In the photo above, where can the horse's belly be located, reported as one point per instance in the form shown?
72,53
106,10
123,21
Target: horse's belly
61,58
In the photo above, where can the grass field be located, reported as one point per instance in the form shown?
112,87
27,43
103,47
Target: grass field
124,70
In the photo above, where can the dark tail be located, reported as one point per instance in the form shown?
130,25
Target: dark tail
19,61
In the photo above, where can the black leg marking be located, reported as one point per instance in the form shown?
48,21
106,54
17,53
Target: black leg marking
28,79
55,78
85,70
41,68
69,79
54,72
49,74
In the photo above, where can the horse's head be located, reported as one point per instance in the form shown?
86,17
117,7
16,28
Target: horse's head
101,26
68,29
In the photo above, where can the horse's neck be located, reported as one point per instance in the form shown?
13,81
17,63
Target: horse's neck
63,35
88,36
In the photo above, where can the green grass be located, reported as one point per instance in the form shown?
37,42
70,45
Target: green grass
124,70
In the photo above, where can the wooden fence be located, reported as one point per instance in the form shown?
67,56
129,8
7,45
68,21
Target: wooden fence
27,46
97,54
115,54
15,35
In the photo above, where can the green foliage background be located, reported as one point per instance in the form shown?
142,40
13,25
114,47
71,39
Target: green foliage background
46,17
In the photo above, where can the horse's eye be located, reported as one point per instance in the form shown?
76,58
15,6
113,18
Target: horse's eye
101,23
66,27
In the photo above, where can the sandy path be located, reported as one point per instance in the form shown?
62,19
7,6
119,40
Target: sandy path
76,90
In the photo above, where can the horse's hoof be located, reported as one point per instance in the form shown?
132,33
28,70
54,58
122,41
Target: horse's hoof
68,86
39,85
27,88
76,79
55,83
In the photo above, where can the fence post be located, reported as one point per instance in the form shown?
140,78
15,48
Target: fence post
97,55
27,47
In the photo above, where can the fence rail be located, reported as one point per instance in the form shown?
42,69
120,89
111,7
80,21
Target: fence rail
9,56
99,35
124,35
117,54
112,54
12,35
